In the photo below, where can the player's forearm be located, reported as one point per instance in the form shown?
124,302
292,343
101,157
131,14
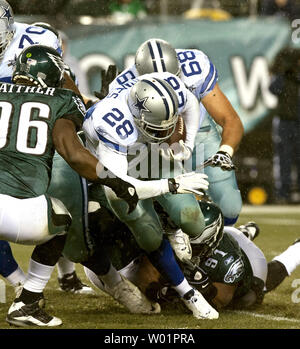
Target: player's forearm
68,145
85,164
232,134
148,189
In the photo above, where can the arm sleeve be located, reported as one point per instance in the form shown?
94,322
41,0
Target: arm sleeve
191,118
117,163
209,81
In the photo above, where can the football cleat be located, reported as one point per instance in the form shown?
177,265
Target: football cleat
200,308
276,274
180,243
250,230
130,296
20,314
71,283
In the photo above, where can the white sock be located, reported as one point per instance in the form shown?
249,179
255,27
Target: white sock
112,278
17,277
37,277
65,266
183,287
290,258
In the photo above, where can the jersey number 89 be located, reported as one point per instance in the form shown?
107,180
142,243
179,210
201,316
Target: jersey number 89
189,65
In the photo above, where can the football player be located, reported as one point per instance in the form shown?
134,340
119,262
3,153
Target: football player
86,206
200,75
226,267
39,117
15,37
283,265
68,279
120,130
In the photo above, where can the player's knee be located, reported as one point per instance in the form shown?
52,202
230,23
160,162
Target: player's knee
148,234
49,252
231,204
191,220
61,219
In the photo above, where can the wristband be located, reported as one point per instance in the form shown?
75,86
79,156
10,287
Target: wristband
227,149
173,186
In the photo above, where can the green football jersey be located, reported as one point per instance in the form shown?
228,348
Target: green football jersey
230,265
27,118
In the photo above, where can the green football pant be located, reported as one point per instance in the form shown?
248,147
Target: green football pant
144,222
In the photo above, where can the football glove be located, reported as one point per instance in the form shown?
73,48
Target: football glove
223,160
199,279
186,183
107,76
123,190
183,152
195,275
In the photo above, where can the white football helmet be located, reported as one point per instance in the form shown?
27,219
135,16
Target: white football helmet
154,106
156,55
7,27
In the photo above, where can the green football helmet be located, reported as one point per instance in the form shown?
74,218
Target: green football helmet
41,65
204,245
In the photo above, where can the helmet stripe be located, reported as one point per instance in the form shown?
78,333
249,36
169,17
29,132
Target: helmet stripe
168,92
161,56
152,56
161,94
157,56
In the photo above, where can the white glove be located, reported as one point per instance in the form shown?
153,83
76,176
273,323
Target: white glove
180,152
223,160
191,182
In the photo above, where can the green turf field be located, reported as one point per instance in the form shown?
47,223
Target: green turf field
280,226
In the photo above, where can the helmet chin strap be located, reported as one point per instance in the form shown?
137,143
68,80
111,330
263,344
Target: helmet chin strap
41,82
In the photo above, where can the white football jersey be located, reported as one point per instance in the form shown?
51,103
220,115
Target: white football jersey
197,72
110,121
112,136
25,35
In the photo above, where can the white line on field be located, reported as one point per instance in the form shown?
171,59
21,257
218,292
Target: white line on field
278,221
266,316
272,209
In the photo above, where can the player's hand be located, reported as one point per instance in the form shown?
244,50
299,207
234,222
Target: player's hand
123,190
107,76
195,275
178,152
223,160
191,182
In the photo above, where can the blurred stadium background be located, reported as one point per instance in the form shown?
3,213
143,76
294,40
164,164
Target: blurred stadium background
239,41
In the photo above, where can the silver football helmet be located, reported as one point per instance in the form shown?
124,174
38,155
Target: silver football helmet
154,106
156,55
7,27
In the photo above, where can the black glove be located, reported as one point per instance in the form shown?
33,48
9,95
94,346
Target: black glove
199,279
107,76
223,160
195,275
123,190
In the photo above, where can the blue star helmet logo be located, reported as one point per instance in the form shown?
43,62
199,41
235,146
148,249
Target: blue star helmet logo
140,104
6,14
